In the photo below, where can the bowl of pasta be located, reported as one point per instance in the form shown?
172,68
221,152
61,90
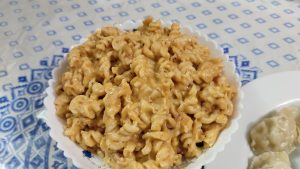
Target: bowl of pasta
143,94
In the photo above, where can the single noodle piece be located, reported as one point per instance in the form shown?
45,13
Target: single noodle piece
148,98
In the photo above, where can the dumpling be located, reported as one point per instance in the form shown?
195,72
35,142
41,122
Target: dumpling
271,160
276,133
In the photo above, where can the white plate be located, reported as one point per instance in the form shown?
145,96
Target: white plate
261,96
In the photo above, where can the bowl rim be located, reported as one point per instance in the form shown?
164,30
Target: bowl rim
203,159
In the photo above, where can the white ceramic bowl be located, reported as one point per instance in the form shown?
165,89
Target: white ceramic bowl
74,152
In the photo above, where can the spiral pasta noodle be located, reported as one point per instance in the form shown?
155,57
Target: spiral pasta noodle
144,99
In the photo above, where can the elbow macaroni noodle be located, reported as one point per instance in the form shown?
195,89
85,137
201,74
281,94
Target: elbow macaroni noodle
144,99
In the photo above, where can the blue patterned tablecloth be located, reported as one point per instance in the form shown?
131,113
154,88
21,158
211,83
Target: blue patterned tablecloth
262,37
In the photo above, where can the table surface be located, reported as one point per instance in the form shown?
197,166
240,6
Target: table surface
262,37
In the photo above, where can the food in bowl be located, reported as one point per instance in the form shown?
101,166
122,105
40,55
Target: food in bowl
274,138
271,160
150,98
275,133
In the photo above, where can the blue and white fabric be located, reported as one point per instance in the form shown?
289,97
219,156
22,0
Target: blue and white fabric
261,37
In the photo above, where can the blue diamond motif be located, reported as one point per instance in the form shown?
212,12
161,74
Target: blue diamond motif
288,25
13,43
18,141
274,30
44,63
261,7
206,12
24,66
288,11
39,142
213,35
243,40
132,1
272,63
236,4
247,12
165,13
75,6
289,57
191,17
196,4
123,13
221,8
180,9
38,48
225,45
38,104
275,3
65,50
76,37
51,32
58,10
27,121
140,9
201,26
92,2
63,18
229,30
36,161
41,14
171,1
257,51
116,5
245,63
245,25
217,21
289,40
18,54
22,19
13,163
17,10
99,10
275,16
260,20
44,126
81,14
211,1
70,27
273,45
13,3
155,5
106,18
57,43
3,23
8,33
88,23
225,50
233,16
22,79
53,2
32,38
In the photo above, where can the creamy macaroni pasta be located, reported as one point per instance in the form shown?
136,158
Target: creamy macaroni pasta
147,98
